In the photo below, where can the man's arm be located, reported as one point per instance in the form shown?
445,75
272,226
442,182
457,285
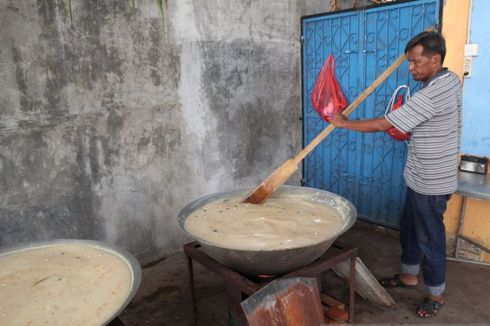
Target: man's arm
369,125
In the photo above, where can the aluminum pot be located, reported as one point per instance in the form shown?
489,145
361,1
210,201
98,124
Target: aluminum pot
273,262
131,262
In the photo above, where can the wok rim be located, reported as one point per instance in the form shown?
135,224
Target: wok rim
243,191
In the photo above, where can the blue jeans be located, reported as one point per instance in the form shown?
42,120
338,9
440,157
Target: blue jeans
423,236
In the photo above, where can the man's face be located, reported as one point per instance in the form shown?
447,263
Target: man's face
423,67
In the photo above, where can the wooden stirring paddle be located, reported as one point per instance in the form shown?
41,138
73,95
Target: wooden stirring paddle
283,172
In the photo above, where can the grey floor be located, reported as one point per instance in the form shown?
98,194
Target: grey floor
164,299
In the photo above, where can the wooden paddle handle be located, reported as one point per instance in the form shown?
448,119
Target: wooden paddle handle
381,78
282,173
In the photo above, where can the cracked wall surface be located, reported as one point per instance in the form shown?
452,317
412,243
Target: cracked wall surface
110,125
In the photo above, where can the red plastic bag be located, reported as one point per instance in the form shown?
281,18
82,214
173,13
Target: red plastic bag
393,132
327,98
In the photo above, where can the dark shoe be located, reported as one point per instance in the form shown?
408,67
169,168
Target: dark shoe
429,308
395,281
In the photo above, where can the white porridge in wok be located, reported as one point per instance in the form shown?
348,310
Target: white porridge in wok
65,284
279,223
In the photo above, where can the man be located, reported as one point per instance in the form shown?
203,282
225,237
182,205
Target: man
433,116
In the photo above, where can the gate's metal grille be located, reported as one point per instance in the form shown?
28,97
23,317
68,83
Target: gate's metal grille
366,168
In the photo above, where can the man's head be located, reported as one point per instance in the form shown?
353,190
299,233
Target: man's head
425,53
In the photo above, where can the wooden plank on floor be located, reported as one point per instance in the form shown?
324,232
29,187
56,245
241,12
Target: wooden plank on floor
337,314
331,301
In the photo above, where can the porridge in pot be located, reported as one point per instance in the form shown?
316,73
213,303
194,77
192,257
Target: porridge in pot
279,223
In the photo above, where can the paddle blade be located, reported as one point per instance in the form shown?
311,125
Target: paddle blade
272,183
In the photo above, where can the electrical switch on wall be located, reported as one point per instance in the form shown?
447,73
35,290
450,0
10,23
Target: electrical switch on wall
467,64
470,51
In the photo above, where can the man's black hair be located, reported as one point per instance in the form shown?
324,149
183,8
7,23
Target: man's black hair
432,42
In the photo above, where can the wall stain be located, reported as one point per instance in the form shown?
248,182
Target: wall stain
37,151
12,8
27,102
111,139
115,121
8,174
143,143
154,54
43,199
60,58
166,140
241,81
94,58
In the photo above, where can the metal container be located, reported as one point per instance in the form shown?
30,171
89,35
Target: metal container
273,262
132,263
470,163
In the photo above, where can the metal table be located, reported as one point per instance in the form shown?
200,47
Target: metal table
474,186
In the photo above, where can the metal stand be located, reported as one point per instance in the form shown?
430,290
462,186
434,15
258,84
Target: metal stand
476,187
239,287
460,228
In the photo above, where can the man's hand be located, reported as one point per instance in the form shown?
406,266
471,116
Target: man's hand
369,125
338,120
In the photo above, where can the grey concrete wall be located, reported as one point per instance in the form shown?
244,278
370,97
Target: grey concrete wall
110,126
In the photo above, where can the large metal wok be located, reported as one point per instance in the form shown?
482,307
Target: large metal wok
49,281
273,262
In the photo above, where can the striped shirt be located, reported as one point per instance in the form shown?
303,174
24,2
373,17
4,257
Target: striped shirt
433,116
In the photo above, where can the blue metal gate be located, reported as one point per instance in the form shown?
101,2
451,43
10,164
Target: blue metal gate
365,168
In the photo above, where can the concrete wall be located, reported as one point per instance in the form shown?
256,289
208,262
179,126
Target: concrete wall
109,126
